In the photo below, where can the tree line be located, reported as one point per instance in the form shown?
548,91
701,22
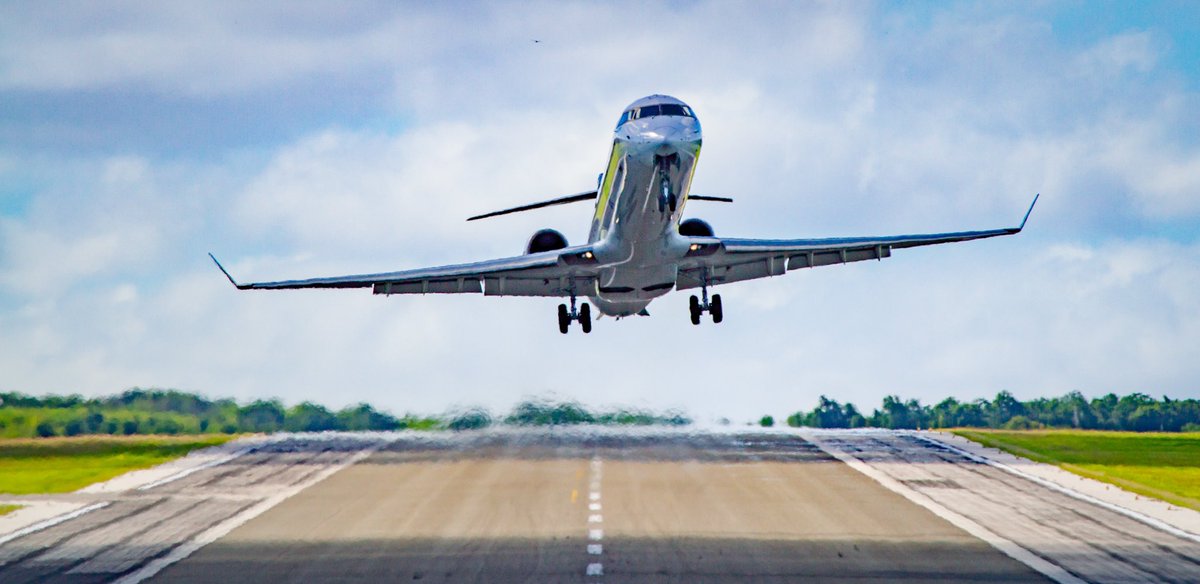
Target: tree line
1135,412
166,411
159,411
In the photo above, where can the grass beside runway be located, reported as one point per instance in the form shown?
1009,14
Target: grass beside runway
5,509
61,465
1161,465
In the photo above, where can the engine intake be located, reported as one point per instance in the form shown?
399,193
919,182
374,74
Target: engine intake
695,228
545,240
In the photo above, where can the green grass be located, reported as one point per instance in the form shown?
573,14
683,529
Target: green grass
1161,465
5,509
60,465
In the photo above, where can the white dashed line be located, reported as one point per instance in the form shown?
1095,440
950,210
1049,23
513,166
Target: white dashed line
595,568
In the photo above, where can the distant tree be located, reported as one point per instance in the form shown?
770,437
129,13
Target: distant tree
310,417
766,421
364,417
543,413
472,419
261,416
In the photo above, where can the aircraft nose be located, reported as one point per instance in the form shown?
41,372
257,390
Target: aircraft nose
667,139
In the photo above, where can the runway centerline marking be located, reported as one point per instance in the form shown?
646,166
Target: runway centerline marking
595,568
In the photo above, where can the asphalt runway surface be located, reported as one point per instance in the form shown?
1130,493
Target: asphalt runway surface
598,505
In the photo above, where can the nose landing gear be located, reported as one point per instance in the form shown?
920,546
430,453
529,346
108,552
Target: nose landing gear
583,315
666,198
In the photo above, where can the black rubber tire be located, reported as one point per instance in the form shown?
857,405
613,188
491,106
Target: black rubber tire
694,308
714,308
564,319
585,318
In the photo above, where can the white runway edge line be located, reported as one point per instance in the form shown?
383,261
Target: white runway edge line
595,535
1008,547
221,529
51,522
1130,513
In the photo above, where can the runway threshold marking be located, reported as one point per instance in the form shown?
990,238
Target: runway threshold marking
1006,546
182,551
595,534
1130,513
51,522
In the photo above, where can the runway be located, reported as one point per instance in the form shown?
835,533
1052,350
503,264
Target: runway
599,505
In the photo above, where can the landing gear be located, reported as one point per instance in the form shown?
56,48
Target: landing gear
583,315
666,198
564,319
698,306
585,318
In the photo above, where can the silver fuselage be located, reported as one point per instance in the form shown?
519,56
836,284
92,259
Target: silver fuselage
634,229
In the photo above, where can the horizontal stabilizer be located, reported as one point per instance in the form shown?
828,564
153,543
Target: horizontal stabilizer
704,198
559,201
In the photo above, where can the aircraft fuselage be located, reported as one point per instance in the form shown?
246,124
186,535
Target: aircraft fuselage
640,202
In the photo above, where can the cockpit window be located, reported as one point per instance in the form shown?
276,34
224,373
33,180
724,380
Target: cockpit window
665,109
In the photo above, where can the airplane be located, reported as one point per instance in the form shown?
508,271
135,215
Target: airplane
639,247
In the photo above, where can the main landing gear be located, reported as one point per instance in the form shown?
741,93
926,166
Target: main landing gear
583,315
697,306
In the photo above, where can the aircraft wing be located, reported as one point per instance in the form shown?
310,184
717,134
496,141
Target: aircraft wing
549,273
725,260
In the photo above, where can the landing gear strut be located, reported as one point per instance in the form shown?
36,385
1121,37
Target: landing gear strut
583,315
698,306
666,198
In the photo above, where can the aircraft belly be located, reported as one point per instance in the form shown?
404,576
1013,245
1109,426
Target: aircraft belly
627,290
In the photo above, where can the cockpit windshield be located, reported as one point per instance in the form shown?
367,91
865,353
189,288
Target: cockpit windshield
664,109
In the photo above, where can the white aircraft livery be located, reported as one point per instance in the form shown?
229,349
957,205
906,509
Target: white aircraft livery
638,248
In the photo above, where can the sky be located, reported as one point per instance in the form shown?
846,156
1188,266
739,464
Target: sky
331,138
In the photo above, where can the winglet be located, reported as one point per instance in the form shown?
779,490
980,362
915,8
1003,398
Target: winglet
226,272
1035,198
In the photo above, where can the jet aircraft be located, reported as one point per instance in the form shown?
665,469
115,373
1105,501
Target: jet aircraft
639,247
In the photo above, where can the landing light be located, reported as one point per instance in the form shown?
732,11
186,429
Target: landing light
695,246
587,255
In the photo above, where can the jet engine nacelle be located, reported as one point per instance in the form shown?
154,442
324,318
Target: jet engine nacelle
545,240
695,228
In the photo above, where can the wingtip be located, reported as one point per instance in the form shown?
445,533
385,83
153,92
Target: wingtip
224,271
1027,213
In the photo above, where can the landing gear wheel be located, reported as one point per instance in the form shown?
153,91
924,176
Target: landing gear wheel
672,201
714,308
585,318
564,319
694,307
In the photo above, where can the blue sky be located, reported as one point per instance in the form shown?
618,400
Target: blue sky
326,138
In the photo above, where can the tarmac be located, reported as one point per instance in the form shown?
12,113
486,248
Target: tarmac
594,505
